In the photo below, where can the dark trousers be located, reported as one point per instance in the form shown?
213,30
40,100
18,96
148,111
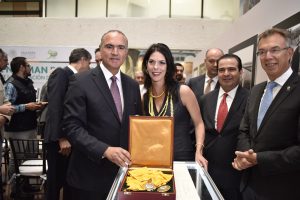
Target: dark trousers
249,194
56,174
78,194
231,193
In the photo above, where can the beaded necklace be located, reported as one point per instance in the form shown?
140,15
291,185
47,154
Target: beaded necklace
164,108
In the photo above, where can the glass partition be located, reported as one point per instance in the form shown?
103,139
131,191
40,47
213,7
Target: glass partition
192,182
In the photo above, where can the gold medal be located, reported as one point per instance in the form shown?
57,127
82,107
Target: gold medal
164,188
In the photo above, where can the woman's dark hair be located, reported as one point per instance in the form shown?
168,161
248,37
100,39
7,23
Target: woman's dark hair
169,77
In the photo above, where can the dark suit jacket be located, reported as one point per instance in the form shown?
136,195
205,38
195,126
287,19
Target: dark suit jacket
92,124
197,85
56,89
277,142
219,147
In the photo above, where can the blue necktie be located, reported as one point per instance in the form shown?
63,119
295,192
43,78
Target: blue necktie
265,102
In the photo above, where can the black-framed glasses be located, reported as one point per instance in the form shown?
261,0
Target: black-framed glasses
273,51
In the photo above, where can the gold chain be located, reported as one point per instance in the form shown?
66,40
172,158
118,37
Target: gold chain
153,96
165,107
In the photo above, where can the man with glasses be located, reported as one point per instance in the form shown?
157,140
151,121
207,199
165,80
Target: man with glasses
268,149
96,117
58,147
21,94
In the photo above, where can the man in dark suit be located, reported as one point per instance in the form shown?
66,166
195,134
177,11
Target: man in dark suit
58,147
96,120
269,141
221,133
209,81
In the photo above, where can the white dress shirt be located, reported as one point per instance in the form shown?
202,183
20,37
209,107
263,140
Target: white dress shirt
108,75
229,100
212,84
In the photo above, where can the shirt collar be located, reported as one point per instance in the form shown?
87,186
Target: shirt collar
108,74
231,93
215,79
284,77
73,69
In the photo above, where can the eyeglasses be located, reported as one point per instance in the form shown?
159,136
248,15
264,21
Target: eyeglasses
273,51
159,62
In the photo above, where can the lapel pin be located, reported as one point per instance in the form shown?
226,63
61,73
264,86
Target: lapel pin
288,88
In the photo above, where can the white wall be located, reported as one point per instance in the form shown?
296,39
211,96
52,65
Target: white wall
191,34
264,15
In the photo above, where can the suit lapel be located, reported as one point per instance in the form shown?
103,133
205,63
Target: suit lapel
126,95
256,98
217,85
213,97
201,84
100,81
284,92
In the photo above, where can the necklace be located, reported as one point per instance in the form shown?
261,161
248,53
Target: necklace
153,96
164,108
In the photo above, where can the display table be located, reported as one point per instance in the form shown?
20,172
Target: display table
192,183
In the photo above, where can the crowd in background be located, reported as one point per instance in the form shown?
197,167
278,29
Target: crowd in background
248,141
